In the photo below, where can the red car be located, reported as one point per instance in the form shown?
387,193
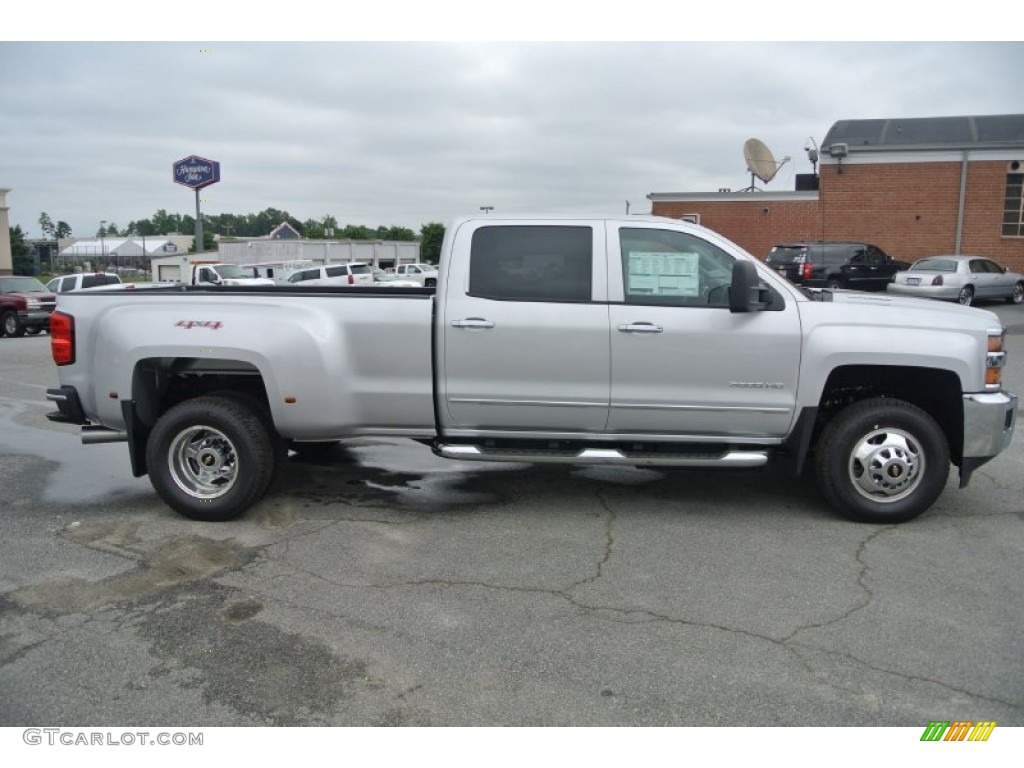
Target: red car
25,306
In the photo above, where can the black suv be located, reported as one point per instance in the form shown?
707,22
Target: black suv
858,266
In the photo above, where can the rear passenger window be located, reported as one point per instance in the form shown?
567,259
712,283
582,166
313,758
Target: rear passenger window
91,281
335,271
532,263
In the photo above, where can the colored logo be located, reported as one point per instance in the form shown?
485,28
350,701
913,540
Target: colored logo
196,172
958,730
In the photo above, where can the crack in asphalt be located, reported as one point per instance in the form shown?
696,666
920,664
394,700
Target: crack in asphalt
122,545
908,676
786,643
609,543
868,595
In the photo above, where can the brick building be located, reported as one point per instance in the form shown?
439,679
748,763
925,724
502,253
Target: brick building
914,187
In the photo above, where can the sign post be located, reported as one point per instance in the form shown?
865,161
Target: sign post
196,173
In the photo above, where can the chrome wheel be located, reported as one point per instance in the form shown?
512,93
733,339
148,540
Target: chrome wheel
966,295
1018,294
886,465
203,462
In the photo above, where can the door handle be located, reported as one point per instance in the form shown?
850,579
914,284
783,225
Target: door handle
641,328
473,322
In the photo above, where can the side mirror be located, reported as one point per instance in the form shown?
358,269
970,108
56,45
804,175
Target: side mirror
747,293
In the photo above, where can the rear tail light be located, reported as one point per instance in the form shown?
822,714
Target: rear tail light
351,279
807,271
62,338
937,280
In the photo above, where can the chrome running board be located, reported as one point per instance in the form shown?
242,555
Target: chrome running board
732,459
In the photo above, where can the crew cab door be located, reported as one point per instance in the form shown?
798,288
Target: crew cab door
523,341
681,362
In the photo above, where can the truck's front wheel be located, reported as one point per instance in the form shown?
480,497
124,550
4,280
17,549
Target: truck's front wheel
210,458
882,461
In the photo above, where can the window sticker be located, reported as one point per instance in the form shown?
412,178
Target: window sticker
663,274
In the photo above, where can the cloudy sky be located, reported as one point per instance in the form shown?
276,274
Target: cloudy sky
407,133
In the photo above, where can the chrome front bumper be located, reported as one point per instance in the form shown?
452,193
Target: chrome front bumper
989,419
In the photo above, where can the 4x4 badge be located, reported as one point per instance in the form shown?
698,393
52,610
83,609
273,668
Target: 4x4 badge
189,324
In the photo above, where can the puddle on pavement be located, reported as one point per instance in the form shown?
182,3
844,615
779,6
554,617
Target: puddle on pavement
364,471
205,637
176,560
84,473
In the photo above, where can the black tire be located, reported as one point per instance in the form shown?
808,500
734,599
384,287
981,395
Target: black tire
430,283
33,331
966,296
258,406
210,458
834,284
12,324
1017,297
882,461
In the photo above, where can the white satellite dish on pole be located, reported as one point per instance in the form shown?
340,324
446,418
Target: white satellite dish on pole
760,162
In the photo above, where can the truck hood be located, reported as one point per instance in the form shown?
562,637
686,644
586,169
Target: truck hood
897,311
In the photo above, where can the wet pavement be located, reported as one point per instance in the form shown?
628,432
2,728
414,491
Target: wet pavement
390,587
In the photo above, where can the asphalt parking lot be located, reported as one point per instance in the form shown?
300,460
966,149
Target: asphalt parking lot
395,588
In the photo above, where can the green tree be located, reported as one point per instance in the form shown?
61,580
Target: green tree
357,232
21,258
396,233
431,237
165,223
46,225
312,229
62,230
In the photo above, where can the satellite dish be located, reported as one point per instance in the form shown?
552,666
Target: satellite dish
760,162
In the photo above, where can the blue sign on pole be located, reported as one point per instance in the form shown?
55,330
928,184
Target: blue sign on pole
196,172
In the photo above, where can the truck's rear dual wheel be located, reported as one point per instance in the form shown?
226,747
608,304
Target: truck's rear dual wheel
211,458
882,461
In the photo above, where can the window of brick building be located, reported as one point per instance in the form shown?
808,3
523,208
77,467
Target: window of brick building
1013,208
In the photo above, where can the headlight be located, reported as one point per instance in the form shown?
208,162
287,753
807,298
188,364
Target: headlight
32,304
995,359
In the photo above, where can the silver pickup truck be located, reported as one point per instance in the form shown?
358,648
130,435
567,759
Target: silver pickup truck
635,341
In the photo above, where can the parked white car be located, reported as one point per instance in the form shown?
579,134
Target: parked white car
959,278
353,273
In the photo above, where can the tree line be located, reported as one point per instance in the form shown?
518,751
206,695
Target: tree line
260,224
254,225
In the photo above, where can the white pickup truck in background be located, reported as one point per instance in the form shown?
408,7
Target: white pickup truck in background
82,281
191,270
424,274
632,341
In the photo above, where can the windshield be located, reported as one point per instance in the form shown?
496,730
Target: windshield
21,285
934,265
231,271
